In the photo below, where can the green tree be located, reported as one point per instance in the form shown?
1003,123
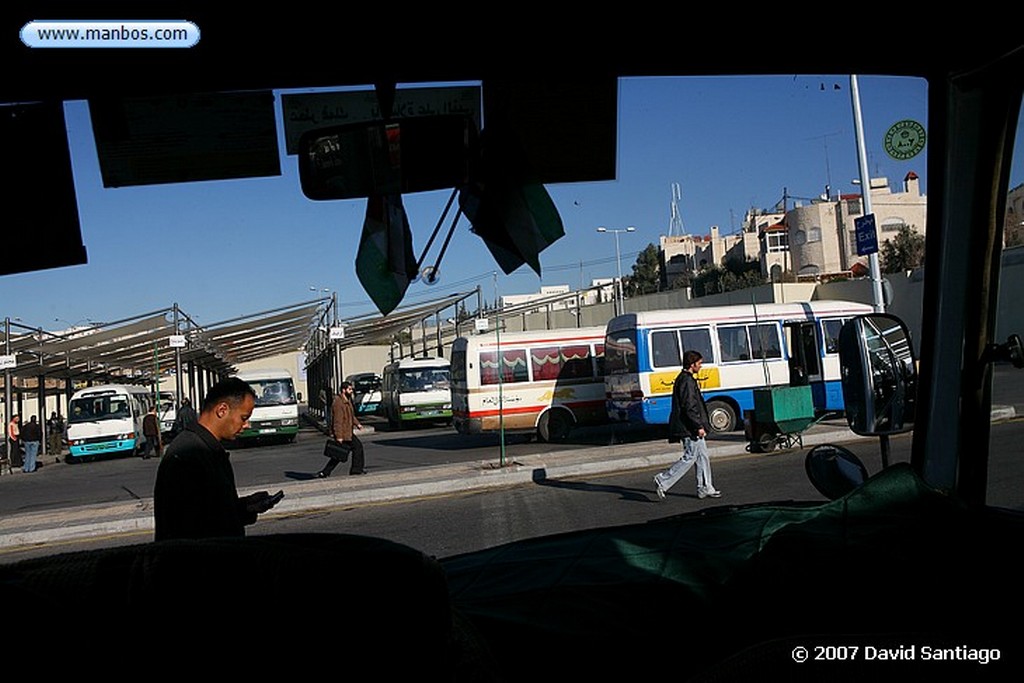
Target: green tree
903,252
734,276
646,277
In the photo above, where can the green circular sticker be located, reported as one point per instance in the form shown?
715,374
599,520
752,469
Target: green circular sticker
905,139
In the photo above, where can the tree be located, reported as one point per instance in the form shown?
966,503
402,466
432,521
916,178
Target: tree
735,275
903,252
646,277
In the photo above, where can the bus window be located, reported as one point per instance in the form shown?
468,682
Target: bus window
733,342
513,366
698,340
599,359
546,363
830,330
665,349
765,341
620,353
576,362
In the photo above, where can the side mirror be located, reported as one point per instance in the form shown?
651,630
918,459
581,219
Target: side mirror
834,470
879,375
299,396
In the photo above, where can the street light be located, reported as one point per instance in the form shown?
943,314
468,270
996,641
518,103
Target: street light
618,259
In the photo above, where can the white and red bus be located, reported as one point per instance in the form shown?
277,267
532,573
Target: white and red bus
549,381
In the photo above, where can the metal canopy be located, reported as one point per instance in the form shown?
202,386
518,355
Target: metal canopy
133,350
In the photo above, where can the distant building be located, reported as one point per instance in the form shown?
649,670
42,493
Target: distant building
821,235
683,255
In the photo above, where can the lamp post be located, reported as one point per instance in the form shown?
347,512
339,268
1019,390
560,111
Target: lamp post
618,262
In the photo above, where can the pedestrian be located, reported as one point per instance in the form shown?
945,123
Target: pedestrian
185,417
55,435
343,424
688,422
151,432
14,440
32,437
195,494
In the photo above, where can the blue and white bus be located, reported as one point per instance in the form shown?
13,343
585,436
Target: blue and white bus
745,347
106,420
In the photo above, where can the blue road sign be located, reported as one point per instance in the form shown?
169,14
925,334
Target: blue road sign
867,236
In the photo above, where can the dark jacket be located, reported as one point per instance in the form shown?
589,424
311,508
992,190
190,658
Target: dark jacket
31,431
689,414
195,494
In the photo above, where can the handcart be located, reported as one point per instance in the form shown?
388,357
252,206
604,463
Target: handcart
780,417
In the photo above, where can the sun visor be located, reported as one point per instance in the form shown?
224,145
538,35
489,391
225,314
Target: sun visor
38,193
185,138
567,130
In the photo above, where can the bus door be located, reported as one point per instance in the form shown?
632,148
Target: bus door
805,366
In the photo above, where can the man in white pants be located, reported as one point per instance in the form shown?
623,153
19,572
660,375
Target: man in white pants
688,422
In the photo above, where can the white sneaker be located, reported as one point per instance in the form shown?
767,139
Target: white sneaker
709,494
658,489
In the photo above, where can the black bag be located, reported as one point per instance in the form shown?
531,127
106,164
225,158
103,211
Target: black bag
337,450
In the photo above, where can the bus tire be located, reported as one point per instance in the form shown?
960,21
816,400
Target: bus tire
554,426
721,416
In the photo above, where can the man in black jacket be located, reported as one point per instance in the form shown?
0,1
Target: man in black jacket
195,495
688,422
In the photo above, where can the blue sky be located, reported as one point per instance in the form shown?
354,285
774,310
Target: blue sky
226,248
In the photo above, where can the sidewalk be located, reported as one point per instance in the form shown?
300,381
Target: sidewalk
89,521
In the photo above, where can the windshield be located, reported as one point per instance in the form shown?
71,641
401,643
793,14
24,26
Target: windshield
99,408
275,392
424,379
724,191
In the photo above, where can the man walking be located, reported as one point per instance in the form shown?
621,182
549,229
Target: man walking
195,494
688,422
151,432
343,424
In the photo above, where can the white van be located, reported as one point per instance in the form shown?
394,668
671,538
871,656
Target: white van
106,420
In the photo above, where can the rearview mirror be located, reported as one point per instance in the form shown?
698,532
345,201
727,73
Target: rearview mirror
374,158
879,375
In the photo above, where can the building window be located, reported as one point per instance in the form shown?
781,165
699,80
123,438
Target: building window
814,235
853,206
893,225
778,241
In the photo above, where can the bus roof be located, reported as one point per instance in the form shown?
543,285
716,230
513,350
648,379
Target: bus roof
418,363
107,389
744,312
255,375
535,336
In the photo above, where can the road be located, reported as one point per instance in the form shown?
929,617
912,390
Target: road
464,522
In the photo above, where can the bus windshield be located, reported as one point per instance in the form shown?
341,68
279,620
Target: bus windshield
97,408
276,392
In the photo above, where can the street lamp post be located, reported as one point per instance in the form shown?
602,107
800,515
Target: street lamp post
618,262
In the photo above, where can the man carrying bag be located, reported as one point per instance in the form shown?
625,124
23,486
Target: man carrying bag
343,424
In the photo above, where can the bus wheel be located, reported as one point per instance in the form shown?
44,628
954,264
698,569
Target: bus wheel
722,416
554,425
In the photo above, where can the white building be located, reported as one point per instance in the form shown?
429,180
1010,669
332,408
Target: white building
822,237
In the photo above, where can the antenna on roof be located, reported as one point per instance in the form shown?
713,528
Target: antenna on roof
675,224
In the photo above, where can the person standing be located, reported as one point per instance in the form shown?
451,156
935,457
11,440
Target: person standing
185,417
32,436
688,422
343,424
55,435
151,432
195,494
14,440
